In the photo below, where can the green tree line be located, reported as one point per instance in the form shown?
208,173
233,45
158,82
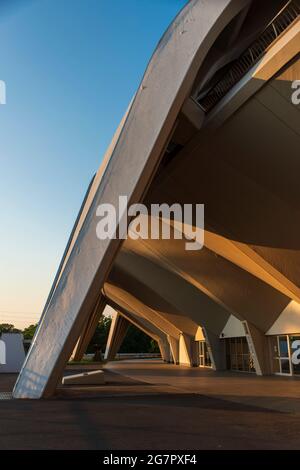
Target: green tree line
136,341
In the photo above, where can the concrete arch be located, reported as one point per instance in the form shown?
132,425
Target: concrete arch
163,108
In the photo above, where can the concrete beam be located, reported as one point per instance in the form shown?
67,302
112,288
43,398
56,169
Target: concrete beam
185,305
129,302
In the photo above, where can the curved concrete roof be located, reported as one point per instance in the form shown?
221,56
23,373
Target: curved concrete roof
224,159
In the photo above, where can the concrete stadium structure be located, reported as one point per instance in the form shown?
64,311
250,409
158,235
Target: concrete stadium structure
214,122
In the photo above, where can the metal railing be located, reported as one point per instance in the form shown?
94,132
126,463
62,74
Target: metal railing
251,55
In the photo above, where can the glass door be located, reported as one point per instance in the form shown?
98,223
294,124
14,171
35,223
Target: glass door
207,356
204,357
238,356
201,354
284,355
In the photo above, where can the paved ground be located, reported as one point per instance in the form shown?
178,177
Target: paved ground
276,393
147,405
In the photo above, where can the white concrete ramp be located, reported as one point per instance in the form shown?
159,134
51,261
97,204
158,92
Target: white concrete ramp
95,377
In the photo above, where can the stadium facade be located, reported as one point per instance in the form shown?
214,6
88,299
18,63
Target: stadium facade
215,121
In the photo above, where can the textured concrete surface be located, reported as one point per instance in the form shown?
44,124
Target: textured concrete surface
157,409
276,393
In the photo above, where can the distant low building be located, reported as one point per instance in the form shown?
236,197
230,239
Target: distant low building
12,353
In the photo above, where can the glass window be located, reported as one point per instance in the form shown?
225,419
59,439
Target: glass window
240,362
285,366
207,356
295,353
204,357
245,346
239,345
238,356
281,354
283,346
246,359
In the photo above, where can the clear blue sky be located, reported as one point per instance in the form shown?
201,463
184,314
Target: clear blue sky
70,67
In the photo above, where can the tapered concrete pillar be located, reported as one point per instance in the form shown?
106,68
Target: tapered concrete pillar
165,351
216,350
187,350
259,348
117,333
174,348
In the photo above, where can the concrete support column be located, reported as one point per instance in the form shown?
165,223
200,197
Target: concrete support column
117,333
174,348
259,348
216,350
164,348
186,350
